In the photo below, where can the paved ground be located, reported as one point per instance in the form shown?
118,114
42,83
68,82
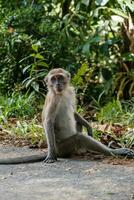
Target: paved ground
68,179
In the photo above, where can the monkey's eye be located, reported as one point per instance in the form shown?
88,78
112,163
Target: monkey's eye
53,79
60,78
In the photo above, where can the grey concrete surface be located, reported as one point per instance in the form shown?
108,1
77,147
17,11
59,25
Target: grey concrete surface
67,179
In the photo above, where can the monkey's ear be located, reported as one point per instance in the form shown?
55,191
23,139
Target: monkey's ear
46,79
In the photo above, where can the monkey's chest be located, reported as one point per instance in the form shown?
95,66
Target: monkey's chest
65,125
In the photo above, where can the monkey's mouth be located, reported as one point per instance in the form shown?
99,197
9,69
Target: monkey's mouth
59,90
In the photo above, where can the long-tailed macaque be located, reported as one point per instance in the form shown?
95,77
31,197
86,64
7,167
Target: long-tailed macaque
63,126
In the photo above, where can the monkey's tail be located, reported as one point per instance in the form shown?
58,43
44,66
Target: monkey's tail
23,159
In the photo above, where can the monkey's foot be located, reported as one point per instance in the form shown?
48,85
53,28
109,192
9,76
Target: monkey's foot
50,159
124,152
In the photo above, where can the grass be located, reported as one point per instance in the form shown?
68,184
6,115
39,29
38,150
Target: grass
120,116
32,130
19,115
121,112
18,106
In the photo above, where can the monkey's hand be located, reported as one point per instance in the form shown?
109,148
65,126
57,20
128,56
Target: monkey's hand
89,130
124,152
50,158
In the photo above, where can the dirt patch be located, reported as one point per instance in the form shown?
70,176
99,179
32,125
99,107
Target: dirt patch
119,161
105,160
7,139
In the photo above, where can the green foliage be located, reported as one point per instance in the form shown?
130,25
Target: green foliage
36,70
17,105
110,112
82,76
124,83
84,37
13,49
128,115
121,112
18,36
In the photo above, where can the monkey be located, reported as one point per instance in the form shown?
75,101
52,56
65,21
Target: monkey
63,125
58,92
61,122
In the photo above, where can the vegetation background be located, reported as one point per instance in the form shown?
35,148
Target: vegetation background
92,39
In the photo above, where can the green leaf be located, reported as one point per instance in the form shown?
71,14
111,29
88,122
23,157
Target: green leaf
43,64
26,68
95,39
85,2
86,48
130,5
101,2
39,56
35,47
24,58
28,82
78,78
35,86
117,19
33,55
118,12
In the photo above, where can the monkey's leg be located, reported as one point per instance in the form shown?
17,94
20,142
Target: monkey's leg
91,144
67,147
80,143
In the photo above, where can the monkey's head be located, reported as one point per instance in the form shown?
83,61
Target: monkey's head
57,80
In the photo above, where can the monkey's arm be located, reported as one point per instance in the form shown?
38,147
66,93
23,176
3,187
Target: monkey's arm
50,135
82,122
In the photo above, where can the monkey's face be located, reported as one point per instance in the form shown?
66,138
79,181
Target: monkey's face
58,83
57,80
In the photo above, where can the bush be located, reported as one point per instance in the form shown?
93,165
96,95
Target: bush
71,34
